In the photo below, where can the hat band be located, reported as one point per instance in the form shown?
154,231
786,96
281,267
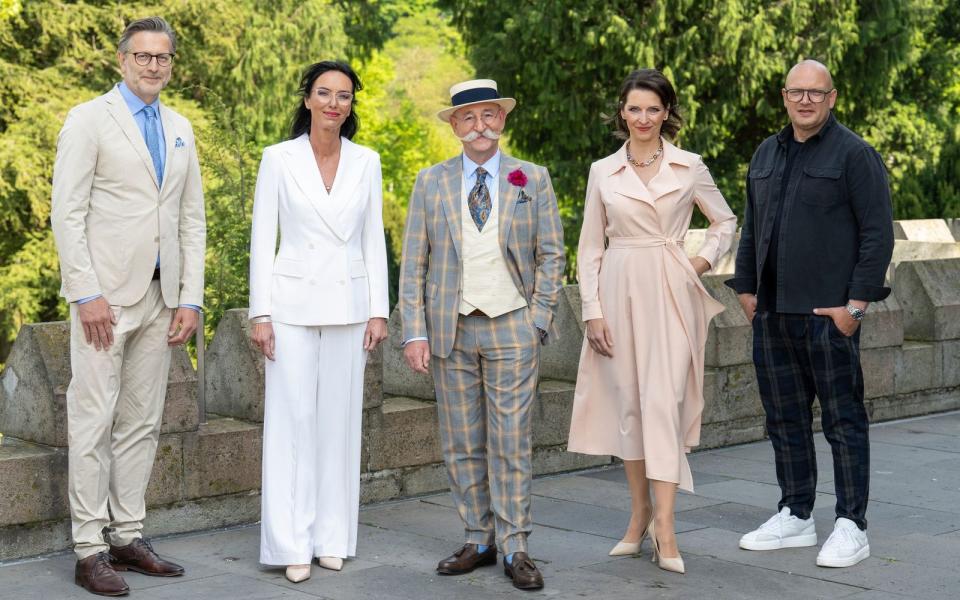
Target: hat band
474,95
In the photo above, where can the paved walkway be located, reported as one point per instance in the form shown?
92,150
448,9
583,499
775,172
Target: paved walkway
914,519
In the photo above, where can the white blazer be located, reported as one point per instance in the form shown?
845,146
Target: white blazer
331,266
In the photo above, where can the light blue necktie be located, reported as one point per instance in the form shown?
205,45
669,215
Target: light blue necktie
153,141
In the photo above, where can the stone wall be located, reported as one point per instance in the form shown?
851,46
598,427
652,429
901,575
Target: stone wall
209,475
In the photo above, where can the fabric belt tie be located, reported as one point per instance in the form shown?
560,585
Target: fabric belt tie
643,241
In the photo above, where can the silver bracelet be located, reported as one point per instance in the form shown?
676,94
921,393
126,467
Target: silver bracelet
260,319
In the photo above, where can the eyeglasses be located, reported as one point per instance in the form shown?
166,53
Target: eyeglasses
487,116
323,94
143,58
815,96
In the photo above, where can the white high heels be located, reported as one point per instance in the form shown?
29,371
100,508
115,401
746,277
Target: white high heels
629,548
667,564
330,562
298,573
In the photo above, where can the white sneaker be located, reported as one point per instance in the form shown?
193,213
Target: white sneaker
845,547
782,530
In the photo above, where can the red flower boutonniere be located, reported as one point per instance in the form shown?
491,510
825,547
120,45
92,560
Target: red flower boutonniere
519,179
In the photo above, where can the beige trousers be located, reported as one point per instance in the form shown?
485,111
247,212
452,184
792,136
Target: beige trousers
114,410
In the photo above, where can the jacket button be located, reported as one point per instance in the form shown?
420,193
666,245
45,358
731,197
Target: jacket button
156,238
311,246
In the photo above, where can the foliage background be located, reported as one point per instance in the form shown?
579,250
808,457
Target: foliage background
896,64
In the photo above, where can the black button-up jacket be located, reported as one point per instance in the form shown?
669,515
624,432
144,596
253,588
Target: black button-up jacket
836,226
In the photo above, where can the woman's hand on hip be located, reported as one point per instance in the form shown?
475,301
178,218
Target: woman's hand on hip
262,336
376,332
600,338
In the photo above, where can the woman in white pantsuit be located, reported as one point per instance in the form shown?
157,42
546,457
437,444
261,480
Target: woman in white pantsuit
317,306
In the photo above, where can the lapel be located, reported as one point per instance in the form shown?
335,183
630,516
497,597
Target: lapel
628,183
170,139
349,172
121,114
507,198
302,167
450,181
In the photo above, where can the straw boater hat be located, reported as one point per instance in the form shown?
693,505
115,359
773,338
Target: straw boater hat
473,92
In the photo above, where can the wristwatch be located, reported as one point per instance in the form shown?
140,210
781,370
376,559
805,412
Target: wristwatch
856,313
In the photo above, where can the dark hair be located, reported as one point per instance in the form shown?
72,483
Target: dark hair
301,115
654,81
156,24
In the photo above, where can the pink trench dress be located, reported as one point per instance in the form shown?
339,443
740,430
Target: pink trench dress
645,403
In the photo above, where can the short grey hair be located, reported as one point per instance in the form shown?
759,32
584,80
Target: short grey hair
157,24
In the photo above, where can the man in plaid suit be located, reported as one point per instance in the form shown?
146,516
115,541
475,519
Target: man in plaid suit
483,258
816,242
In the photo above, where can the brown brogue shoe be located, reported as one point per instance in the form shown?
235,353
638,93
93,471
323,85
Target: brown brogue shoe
466,559
525,574
96,575
139,556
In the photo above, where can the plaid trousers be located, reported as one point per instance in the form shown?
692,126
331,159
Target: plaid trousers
798,357
485,389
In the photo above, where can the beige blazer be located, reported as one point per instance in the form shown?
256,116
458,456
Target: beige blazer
109,216
331,266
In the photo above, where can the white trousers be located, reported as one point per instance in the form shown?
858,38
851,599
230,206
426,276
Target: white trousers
114,410
311,443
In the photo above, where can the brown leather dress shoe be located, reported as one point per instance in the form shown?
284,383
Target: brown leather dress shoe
466,559
96,575
139,556
523,572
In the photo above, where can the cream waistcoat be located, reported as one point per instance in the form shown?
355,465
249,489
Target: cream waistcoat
487,284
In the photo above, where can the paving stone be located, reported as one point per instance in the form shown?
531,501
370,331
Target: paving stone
905,436
603,493
222,587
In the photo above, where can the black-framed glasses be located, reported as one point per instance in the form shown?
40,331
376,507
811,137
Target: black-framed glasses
815,96
143,59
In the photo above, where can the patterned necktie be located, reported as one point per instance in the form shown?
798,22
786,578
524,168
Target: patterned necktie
153,141
479,200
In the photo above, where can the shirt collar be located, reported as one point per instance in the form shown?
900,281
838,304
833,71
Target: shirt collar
134,103
492,166
787,132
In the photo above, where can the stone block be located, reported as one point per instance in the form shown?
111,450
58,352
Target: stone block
951,363
559,360
730,394
906,251
34,484
427,479
923,230
883,325
730,335
729,433
929,294
166,479
234,386
550,414
556,459
879,366
377,487
954,225
406,436
912,405
222,457
373,378
35,379
920,367
398,378
215,512
693,241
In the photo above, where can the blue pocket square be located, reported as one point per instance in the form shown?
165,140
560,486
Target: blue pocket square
179,143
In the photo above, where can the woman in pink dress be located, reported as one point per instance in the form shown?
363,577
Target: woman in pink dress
639,392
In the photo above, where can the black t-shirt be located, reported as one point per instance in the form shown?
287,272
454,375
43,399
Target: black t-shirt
767,292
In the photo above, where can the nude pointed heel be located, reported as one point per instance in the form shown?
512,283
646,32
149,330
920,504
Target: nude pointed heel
298,573
333,563
667,564
629,548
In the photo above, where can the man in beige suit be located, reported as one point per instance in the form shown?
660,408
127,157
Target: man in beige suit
129,225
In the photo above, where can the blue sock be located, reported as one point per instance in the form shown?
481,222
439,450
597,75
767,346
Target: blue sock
509,558
481,548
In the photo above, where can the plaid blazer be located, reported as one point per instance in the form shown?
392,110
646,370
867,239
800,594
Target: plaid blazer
531,239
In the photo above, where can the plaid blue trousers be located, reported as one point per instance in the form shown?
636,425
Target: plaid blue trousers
799,357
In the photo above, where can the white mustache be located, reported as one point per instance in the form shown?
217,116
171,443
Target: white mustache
487,133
